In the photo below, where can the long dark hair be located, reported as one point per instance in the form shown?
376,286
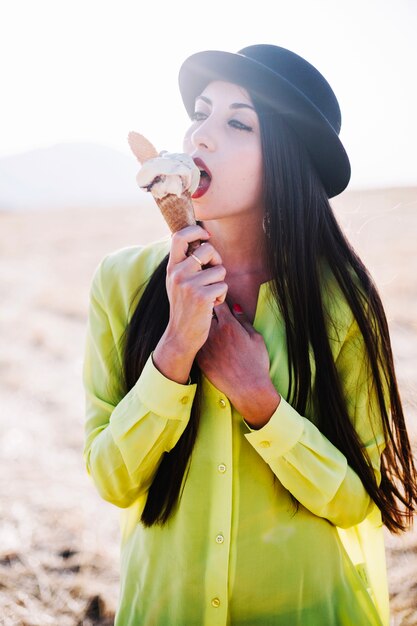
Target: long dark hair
302,233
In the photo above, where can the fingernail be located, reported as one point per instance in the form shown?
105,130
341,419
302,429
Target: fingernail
237,308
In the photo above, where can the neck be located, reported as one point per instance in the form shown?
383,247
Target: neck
240,242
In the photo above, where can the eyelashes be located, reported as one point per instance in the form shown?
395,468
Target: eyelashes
199,116
240,125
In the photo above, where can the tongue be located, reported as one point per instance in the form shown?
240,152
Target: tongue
203,185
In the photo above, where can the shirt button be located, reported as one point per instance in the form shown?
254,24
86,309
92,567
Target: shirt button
185,400
222,403
265,444
222,468
219,539
215,602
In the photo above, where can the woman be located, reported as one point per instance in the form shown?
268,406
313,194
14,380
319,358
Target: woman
257,447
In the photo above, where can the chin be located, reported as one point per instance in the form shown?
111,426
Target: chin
202,212
206,216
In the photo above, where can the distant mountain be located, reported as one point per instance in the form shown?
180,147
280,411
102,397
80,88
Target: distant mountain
69,176
83,175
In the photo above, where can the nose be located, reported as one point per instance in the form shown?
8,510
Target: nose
202,137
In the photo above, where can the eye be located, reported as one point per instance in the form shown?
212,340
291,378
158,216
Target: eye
240,125
198,116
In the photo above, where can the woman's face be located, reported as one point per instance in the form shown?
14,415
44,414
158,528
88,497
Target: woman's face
224,139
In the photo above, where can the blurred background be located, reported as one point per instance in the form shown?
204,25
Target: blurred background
76,77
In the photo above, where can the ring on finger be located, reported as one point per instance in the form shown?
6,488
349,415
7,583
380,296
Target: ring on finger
197,259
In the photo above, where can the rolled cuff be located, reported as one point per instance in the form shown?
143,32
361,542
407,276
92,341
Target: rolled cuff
162,395
279,435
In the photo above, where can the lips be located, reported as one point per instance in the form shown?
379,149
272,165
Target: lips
205,178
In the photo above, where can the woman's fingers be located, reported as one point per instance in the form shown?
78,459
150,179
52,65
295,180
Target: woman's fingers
227,311
204,255
214,274
196,266
216,292
181,240
243,320
195,283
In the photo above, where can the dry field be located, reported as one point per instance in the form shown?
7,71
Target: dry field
58,540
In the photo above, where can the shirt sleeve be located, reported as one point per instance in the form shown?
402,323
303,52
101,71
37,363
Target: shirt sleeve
126,436
308,464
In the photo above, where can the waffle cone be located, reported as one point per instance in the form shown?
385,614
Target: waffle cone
141,147
178,212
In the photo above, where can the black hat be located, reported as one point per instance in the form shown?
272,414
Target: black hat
292,87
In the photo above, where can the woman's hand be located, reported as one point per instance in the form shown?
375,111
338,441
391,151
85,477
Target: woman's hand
235,359
192,293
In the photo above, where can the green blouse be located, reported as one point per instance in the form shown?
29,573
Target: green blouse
236,551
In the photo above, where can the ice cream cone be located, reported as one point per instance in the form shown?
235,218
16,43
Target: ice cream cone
177,210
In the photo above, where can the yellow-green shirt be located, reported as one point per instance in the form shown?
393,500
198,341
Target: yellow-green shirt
236,551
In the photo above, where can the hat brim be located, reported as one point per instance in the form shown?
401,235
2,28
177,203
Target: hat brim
316,133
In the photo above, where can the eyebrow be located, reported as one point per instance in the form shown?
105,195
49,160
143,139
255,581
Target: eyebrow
234,105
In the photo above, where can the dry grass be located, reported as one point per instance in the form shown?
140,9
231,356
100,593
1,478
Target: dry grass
58,540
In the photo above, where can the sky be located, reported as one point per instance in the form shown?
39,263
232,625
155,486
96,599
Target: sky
91,70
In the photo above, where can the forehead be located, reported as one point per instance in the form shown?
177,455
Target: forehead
223,90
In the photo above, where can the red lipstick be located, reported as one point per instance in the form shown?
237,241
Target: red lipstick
205,178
